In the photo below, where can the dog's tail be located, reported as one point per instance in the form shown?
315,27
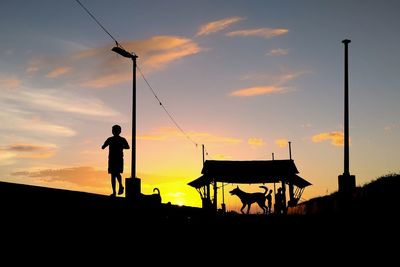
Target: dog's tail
265,188
156,189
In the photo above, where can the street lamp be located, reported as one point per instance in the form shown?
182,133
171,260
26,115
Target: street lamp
132,184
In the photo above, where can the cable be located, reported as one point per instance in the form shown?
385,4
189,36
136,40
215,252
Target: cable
98,23
165,109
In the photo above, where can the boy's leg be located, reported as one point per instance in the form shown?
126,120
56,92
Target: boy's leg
113,184
121,187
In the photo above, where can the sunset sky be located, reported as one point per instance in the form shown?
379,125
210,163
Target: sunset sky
241,77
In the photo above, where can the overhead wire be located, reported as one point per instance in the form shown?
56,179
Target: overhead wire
98,22
165,109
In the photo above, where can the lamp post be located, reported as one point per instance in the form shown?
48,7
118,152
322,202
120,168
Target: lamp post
132,184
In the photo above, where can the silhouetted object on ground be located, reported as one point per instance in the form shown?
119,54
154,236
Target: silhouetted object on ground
279,202
269,201
116,146
153,200
250,198
248,172
375,199
347,182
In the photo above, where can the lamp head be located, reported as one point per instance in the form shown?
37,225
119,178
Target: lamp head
123,52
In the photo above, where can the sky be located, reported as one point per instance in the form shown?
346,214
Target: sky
241,77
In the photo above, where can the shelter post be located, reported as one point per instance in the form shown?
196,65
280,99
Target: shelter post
215,195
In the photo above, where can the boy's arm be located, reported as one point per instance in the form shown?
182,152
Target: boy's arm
126,145
106,143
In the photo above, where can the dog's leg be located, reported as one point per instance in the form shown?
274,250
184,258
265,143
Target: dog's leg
244,205
248,208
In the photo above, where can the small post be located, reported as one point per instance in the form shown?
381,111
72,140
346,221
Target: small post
202,146
290,150
273,157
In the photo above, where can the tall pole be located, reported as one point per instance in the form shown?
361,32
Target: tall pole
346,107
347,182
133,149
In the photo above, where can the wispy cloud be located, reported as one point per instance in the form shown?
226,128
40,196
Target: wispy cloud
7,83
107,80
336,138
159,51
58,72
30,150
256,142
218,25
274,83
60,101
392,127
278,52
25,123
169,133
7,158
259,32
258,90
281,142
101,68
306,125
221,157
282,77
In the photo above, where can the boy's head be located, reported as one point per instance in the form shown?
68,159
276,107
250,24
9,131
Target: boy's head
116,130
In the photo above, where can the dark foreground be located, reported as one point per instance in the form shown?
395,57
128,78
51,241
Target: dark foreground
52,219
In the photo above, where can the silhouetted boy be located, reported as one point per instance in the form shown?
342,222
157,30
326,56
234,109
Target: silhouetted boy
116,145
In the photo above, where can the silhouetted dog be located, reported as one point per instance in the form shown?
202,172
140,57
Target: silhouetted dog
250,198
151,200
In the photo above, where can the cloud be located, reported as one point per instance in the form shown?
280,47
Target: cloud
26,123
282,77
7,83
162,50
278,52
259,90
281,142
60,101
221,157
169,133
217,26
254,142
392,127
7,158
23,148
275,83
336,138
58,72
101,68
259,32
306,125
30,150
107,80
154,53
